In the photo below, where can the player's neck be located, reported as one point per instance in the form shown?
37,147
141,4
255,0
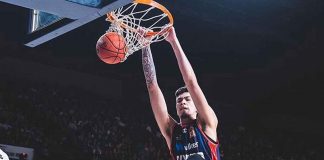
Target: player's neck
187,120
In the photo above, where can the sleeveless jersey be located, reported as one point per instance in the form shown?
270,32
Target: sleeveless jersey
190,139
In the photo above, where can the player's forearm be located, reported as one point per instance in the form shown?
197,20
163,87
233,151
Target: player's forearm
186,69
148,67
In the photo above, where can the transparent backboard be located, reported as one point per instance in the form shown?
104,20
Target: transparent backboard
40,19
52,18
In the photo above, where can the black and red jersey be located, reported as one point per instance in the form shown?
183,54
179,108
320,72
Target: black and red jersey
190,139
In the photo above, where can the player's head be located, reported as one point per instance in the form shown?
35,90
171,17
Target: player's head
184,104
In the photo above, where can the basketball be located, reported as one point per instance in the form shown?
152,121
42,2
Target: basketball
111,48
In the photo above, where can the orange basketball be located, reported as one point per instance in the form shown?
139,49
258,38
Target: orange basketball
111,48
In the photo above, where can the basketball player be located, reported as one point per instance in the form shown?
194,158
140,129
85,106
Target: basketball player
196,132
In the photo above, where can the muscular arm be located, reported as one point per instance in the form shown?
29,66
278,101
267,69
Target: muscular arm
164,121
207,117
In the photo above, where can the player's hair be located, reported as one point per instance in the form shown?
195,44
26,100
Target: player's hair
181,90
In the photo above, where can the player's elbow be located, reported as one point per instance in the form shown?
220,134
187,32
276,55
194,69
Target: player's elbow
153,87
191,83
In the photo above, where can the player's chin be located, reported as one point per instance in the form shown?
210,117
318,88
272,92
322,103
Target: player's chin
185,115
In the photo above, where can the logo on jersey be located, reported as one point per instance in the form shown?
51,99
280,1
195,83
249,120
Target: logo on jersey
185,156
184,130
191,146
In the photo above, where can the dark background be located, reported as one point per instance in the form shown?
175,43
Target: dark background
259,63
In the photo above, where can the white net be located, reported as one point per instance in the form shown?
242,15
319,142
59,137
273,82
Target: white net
128,19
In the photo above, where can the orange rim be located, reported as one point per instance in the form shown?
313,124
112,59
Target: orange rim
111,17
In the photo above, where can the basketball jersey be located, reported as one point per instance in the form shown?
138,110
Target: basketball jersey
190,139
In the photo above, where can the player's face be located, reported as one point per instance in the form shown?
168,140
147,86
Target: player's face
185,105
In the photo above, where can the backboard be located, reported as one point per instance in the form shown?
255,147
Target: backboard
50,19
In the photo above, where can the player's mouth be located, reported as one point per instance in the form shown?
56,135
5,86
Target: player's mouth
183,108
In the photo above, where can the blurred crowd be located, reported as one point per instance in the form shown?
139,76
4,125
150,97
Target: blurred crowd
62,122
66,122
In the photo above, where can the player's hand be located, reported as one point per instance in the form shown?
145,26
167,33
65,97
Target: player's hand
171,36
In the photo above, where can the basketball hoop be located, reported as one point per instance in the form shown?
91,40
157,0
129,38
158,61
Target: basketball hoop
148,15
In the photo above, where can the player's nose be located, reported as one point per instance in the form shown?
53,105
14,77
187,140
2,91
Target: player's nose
183,102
